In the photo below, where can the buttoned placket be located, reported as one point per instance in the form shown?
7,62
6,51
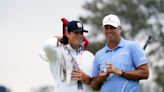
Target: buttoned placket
112,51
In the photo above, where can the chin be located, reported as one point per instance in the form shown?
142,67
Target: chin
77,43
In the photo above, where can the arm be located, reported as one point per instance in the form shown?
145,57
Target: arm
94,82
97,82
80,75
98,76
49,52
140,62
138,57
141,72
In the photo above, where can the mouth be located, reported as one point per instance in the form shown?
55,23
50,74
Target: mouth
109,35
80,41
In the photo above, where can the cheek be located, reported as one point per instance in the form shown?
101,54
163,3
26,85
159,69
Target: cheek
81,37
105,32
73,38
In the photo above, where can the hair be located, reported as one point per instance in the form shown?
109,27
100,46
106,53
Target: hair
64,40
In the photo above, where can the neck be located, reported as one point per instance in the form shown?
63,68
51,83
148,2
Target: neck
76,47
113,44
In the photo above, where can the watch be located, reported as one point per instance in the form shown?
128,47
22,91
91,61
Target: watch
123,72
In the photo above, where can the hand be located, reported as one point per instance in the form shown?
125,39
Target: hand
80,75
59,38
111,68
102,76
98,81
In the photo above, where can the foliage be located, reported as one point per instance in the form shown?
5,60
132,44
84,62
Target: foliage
94,46
135,15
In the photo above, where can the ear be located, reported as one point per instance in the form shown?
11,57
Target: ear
120,28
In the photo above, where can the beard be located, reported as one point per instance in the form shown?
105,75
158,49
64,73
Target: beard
110,38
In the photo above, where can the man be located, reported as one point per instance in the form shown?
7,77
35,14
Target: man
71,65
120,65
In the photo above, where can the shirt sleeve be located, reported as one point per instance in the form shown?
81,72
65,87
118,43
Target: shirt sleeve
95,67
49,52
138,55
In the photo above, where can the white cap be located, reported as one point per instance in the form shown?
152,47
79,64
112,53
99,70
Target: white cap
112,20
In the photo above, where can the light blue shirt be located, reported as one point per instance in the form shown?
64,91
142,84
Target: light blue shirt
128,55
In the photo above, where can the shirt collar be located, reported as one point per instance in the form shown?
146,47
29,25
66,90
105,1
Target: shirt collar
73,51
120,45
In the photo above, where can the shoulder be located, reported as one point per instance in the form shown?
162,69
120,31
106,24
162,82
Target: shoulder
88,53
100,52
131,44
134,47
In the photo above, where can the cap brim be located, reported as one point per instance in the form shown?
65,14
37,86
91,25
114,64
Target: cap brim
111,24
85,31
80,30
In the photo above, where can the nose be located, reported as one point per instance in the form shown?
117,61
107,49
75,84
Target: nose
80,35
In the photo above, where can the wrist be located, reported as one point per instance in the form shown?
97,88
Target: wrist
88,80
99,80
122,72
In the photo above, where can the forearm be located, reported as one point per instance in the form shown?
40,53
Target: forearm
136,74
96,83
141,72
50,49
87,80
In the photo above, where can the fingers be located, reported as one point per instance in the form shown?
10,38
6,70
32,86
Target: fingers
77,75
107,63
112,69
102,76
102,72
109,67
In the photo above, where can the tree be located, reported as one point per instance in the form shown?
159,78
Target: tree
138,17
